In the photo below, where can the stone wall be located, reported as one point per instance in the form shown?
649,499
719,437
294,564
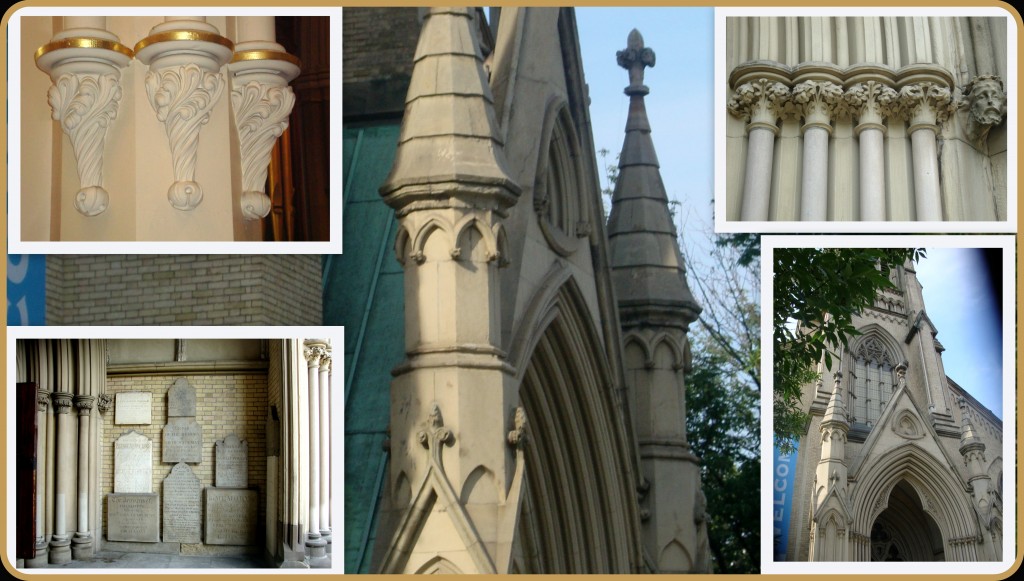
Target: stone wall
183,290
225,404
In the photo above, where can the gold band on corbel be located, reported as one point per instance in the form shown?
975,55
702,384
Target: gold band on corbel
176,35
265,55
84,42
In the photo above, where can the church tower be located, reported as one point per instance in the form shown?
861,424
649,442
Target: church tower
656,309
893,466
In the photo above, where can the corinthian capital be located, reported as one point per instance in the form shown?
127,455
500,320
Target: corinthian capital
871,103
61,402
759,102
926,104
819,101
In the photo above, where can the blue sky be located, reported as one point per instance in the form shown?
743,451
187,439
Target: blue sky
962,304
680,105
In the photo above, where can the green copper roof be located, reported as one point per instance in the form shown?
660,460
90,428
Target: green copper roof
363,291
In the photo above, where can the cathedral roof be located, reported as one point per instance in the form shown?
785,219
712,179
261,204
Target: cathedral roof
647,267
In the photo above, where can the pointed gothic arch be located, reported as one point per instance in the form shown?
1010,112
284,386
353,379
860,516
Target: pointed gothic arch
567,521
942,497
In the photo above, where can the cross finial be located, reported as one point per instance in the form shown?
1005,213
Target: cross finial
634,58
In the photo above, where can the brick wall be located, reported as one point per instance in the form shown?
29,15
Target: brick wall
378,42
184,290
225,404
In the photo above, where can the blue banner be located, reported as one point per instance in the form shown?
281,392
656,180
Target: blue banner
26,289
783,478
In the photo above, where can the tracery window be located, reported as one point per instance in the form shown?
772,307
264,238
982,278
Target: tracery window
873,379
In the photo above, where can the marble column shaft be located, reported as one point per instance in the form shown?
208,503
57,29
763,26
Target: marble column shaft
325,446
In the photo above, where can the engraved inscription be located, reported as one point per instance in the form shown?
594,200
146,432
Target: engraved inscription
133,463
183,441
232,463
230,516
181,399
133,517
181,506
133,407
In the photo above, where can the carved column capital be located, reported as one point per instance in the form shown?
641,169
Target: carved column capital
926,105
314,350
760,103
61,402
871,102
42,399
84,404
819,102
105,402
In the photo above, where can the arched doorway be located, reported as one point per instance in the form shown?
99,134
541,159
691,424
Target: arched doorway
904,531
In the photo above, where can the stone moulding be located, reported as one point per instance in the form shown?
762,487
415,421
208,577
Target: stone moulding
183,98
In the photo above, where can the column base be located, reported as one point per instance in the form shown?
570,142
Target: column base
42,557
316,552
81,546
60,551
293,565
325,534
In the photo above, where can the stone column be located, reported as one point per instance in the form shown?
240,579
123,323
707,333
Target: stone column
758,102
325,449
60,544
927,104
818,100
81,544
870,102
293,519
41,546
316,547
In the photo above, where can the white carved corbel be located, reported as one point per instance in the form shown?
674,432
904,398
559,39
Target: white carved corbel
183,84
84,62
262,101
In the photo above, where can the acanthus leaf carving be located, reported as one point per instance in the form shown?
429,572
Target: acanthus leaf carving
820,100
872,102
183,97
926,103
261,116
85,105
759,102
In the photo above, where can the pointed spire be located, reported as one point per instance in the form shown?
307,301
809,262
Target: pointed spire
835,413
449,142
968,437
647,267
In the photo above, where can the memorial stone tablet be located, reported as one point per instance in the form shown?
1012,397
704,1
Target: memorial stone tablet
133,407
182,491
183,441
232,463
181,399
133,463
230,516
133,517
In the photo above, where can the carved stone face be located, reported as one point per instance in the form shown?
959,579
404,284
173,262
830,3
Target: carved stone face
987,102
